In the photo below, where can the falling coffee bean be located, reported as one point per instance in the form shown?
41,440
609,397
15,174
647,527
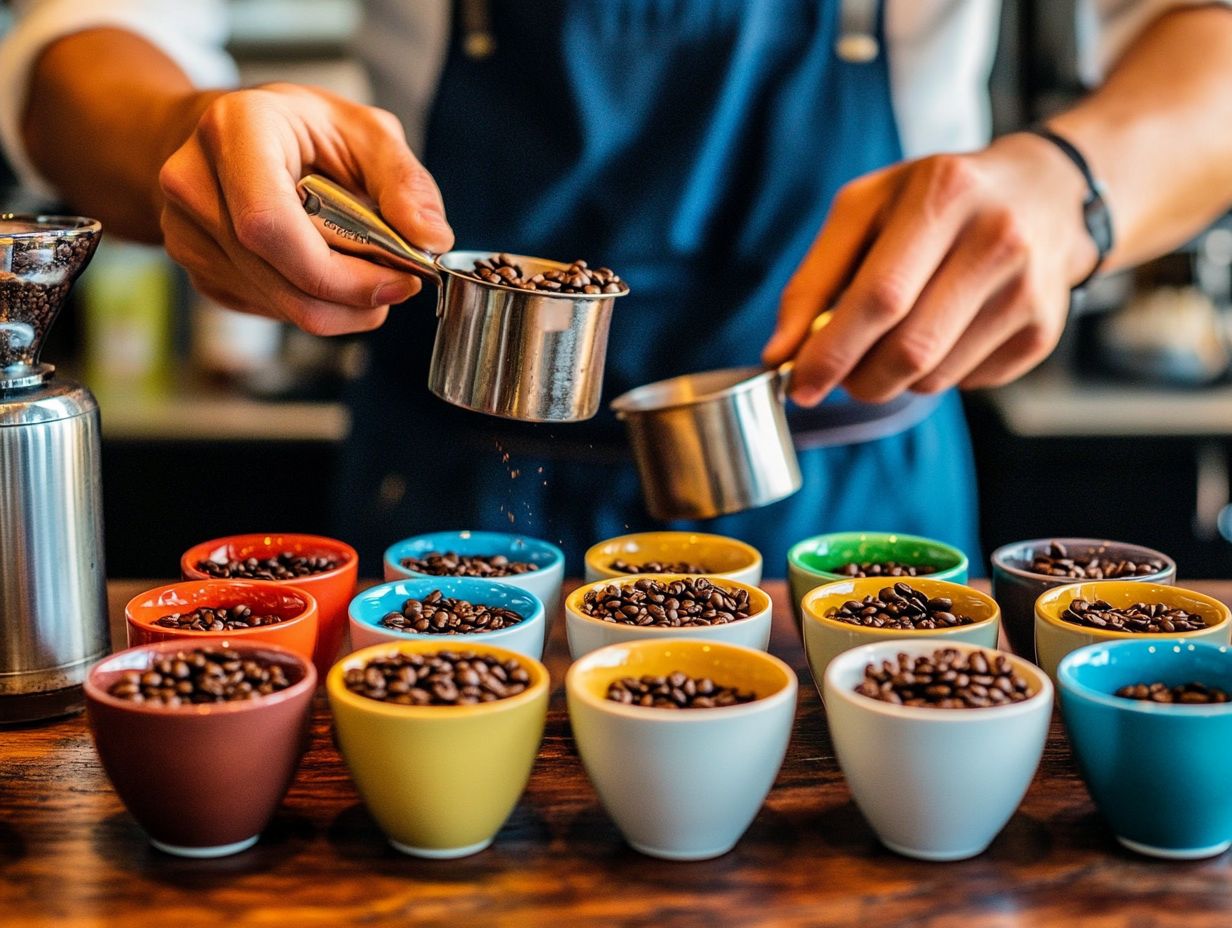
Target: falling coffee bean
946,679
220,619
885,569
900,606
443,678
1183,694
1094,564
1139,618
437,614
657,567
675,604
577,278
285,566
452,564
201,675
675,690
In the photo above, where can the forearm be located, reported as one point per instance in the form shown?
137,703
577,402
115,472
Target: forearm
105,110
1159,133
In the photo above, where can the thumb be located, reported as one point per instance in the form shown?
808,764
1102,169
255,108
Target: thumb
406,193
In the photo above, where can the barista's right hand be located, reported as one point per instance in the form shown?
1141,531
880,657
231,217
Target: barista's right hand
231,215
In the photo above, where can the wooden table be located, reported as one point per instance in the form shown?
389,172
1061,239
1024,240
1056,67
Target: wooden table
70,855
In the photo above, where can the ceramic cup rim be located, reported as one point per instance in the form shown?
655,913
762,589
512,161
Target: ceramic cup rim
311,608
797,550
540,682
537,615
756,594
882,650
1000,558
595,551
587,663
307,682
808,603
557,555
1048,597
349,556
1070,684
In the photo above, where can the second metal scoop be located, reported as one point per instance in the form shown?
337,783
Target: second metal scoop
518,354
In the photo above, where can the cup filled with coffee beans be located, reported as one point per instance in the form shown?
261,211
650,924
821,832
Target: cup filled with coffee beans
823,559
1150,722
681,738
666,606
1069,617
452,611
938,740
529,563
201,739
325,567
674,553
1024,570
440,737
846,614
193,611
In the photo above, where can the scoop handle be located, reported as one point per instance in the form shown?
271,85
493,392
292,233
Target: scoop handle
353,226
787,368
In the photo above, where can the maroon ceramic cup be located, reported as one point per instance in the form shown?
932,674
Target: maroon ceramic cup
201,780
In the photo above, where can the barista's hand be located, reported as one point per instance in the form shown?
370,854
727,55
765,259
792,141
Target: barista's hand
953,269
232,217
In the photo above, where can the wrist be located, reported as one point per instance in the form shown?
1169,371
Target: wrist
177,116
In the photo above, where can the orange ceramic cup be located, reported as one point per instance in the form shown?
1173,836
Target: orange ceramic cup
333,589
297,631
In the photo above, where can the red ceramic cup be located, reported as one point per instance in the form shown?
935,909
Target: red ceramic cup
333,589
202,780
296,632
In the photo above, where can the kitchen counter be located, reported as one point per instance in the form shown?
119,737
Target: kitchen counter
70,855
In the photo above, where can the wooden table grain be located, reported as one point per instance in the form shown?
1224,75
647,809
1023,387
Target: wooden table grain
70,855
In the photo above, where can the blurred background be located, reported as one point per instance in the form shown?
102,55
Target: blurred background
1124,433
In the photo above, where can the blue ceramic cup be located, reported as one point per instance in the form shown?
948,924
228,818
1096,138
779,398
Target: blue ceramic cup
1158,772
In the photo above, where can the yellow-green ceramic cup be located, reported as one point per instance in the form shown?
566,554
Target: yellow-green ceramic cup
826,638
408,761
1055,638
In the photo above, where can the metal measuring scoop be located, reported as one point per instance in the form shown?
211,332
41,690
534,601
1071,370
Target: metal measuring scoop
520,354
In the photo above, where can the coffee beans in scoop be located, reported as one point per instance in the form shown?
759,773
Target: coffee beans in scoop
900,606
1185,694
451,564
1092,565
885,569
675,691
578,277
678,604
1144,618
946,679
446,678
223,619
286,566
444,615
657,567
201,675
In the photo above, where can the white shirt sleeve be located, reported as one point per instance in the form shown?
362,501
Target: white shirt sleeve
1106,29
190,32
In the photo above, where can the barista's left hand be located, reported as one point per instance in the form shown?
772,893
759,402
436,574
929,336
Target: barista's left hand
949,270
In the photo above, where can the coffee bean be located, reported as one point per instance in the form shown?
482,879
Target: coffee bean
206,619
1094,564
452,564
285,566
676,690
1184,694
885,569
578,277
201,675
684,603
946,679
442,615
657,567
1142,618
443,678
899,606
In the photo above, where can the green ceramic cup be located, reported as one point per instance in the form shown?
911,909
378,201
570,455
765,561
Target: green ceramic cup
812,562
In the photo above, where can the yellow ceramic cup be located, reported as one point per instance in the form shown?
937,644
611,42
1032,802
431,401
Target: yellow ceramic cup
720,555
1054,638
408,761
825,638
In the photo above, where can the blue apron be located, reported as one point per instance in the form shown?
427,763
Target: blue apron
694,146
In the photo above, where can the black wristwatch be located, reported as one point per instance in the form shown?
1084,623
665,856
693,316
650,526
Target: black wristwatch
1095,213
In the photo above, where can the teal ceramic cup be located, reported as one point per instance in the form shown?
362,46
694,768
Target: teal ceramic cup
1159,773
814,561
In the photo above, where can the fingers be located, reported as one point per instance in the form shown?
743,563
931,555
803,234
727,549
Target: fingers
830,261
1023,351
990,251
